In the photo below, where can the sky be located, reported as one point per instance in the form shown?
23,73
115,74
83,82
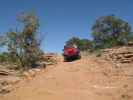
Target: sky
62,19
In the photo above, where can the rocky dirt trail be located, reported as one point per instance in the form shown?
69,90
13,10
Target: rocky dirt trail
90,78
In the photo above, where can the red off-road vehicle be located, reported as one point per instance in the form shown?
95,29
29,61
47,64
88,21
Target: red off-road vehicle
71,53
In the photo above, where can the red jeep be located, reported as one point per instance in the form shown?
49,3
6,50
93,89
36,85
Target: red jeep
71,53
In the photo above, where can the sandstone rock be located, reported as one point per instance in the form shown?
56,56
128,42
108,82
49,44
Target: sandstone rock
128,55
120,55
11,80
32,73
25,74
130,43
6,89
49,59
42,64
37,70
5,72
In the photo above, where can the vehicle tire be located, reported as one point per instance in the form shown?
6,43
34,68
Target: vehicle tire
65,59
79,57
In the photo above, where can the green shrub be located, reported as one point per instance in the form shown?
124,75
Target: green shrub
23,47
109,31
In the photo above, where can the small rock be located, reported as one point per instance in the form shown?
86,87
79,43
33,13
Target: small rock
6,89
4,83
37,70
25,74
32,73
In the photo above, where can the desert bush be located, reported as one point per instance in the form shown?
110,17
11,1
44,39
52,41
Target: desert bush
98,52
82,44
4,57
23,46
109,31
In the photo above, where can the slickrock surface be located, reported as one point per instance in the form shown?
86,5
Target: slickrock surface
89,78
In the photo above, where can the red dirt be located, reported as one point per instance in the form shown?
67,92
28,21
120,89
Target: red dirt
90,78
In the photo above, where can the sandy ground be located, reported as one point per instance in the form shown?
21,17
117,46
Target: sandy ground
87,79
